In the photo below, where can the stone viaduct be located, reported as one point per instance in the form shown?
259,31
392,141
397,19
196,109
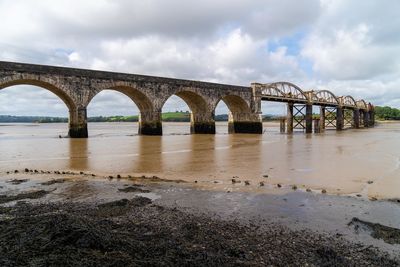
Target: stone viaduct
77,87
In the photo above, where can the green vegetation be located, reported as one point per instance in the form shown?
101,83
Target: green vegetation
383,113
114,119
31,119
178,116
387,113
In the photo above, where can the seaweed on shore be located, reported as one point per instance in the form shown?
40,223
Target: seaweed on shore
25,195
53,181
17,181
388,234
76,234
134,188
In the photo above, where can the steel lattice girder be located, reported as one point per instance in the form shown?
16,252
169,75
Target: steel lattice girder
299,116
330,117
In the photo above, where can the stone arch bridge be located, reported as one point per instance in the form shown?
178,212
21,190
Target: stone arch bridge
77,87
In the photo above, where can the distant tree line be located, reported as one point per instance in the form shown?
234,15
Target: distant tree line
179,116
387,113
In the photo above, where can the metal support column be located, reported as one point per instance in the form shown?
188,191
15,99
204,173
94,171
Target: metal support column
339,119
309,118
356,116
289,119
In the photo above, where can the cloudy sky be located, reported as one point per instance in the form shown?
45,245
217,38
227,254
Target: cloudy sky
349,47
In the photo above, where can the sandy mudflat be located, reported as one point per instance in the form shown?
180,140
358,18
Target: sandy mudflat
82,221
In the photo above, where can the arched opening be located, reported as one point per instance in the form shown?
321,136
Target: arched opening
114,112
184,107
176,116
24,103
221,117
240,117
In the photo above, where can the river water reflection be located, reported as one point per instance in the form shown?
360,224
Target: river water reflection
348,162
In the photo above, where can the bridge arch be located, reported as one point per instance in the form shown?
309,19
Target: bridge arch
241,118
137,95
53,86
348,101
201,115
77,114
325,97
283,91
149,117
361,104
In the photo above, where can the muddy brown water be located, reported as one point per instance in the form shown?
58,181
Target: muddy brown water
364,161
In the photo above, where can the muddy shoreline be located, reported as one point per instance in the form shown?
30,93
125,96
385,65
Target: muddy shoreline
139,221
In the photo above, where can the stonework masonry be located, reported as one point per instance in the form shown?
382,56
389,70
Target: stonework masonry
77,87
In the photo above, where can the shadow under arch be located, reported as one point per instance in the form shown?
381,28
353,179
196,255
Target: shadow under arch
49,86
201,115
241,119
147,115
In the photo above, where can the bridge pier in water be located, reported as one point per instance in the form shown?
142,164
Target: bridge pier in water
289,117
322,118
150,123
356,117
202,123
245,123
78,123
371,114
309,118
339,119
366,119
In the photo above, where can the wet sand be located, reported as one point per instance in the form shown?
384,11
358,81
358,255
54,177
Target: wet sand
155,222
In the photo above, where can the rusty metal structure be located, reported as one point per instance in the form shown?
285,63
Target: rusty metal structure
336,112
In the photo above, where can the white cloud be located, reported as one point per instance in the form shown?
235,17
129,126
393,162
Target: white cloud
350,47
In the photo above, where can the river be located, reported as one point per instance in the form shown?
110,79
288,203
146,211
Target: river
352,162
